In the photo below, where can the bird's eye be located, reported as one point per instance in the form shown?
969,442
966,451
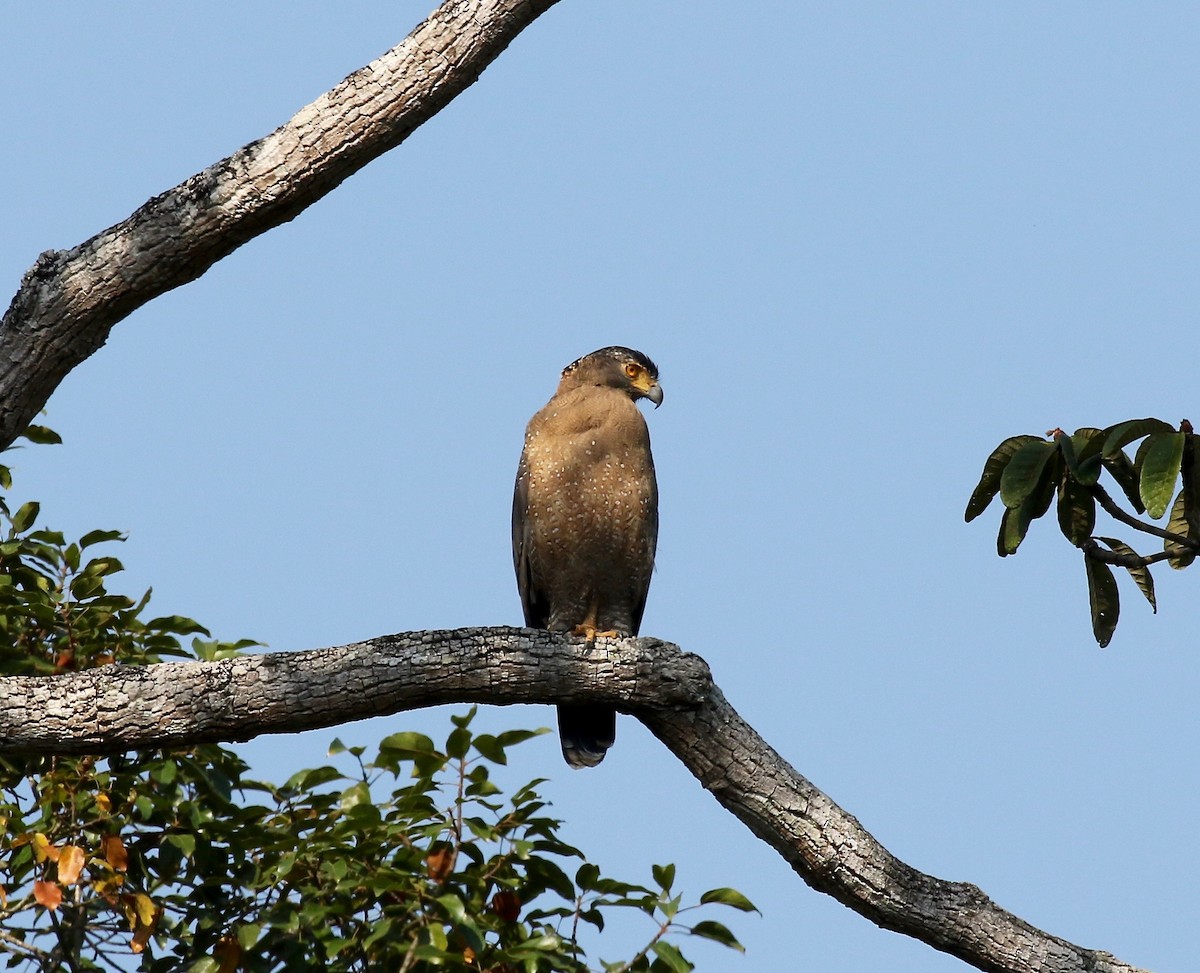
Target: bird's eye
632,370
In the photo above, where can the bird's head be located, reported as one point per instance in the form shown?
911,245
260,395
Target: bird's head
616,367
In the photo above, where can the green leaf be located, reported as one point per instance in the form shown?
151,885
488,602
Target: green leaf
1083,458
310,780
185,842
1103,599
1141,575
1024,471
664,876
177,625
1015,523
1123,433
99,537
1011,533
510,738
398,748
360,793
1160,470
490,748
1076,511
718,933
672,959
102,567
41,435
729,897
1180,523
23,519
1126,475
458,743
993,470
587,876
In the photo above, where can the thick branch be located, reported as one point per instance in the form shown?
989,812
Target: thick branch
69,300
118,707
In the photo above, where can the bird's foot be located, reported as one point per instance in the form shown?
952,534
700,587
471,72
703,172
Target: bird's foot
589,632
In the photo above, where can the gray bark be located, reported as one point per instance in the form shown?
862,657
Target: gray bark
117,708
70,299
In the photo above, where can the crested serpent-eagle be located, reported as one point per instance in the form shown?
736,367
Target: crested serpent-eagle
585,518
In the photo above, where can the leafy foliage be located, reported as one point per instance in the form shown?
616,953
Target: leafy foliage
1028,472
410,859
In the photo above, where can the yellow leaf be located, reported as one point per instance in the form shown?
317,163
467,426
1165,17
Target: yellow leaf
48,894
143,917
104,802
71,860
42,849
145,908
108,885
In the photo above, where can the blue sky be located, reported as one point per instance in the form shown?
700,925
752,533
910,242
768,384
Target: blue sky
864,243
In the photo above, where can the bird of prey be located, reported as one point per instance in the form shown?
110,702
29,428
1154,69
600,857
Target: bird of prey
585,518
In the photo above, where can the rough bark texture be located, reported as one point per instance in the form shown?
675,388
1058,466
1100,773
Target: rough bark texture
118,708
123,707
70,299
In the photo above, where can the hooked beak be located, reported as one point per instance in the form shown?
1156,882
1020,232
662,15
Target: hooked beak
655,394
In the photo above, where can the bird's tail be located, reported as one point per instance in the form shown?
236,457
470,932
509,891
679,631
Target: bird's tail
586,733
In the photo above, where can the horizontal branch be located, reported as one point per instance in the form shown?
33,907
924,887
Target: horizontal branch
69,300
123,707
117,708
1097,553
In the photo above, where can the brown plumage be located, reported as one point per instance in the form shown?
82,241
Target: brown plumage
585,518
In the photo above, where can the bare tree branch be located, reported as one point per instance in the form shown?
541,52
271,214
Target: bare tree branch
69,300
122,707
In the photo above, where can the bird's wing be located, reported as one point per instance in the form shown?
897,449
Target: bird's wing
533,602
651,528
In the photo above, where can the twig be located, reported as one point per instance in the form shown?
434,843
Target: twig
1110,506
1092,549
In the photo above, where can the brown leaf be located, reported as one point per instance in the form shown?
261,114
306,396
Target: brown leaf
48,894
507,905
113,849
439,863
71,860
228,954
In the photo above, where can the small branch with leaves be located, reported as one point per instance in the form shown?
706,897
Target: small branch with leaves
1029,472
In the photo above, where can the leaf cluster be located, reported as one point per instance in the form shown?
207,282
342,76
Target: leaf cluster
1030,473
410,858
